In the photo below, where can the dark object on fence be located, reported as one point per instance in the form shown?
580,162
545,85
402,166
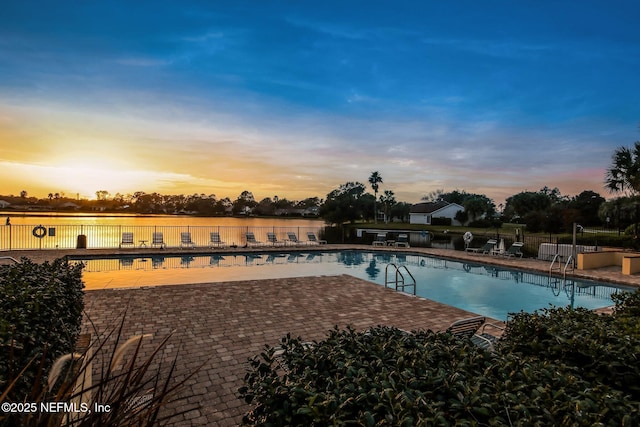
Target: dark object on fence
82,242
39,231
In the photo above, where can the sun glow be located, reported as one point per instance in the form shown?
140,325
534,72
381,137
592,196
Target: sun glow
82,177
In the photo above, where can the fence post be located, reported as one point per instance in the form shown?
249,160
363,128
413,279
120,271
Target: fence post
574,251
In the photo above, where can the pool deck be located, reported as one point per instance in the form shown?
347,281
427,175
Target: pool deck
216,328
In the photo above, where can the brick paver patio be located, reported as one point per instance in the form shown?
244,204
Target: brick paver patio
223,324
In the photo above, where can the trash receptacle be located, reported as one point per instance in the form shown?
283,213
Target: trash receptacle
82,242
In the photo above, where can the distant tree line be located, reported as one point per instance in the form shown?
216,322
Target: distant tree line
156,203
546,210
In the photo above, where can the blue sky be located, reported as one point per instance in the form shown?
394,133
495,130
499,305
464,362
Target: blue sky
295,98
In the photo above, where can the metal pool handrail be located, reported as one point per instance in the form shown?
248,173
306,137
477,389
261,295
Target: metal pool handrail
399,281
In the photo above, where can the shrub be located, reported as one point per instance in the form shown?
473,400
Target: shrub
441,220
599,348
554,367
384,375
40,315
534,221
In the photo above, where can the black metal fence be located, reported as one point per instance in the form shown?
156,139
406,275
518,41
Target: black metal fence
46,236
535,245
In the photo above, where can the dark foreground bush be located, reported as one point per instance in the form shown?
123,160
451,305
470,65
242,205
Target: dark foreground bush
557,367
40,314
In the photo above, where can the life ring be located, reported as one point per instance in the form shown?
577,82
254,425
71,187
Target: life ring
39,231
467,237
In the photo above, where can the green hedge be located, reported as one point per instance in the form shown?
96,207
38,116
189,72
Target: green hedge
40,314
555,367
440,220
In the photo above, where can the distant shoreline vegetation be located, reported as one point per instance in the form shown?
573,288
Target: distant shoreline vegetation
88,214
545,210
161,204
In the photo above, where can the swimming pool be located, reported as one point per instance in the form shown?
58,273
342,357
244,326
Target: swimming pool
488,290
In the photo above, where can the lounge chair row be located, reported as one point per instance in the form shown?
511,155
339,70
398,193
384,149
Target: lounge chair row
292,239
215,240
515,250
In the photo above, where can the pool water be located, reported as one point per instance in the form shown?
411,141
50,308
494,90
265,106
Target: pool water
487,290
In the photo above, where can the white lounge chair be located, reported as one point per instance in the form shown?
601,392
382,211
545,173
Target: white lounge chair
251,239
380,240
515,250
185,240
313,240
466,328
486,340
214,240
402,241
157,239
474,329
292,238
487,248
271,238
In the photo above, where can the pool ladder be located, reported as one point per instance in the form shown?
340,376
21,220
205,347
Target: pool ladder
567,265
398,279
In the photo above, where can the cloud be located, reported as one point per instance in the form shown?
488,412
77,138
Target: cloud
270,97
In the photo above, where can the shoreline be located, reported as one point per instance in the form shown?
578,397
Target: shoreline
80,214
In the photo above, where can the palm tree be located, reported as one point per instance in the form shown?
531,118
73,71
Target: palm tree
374,180
387,200
624,174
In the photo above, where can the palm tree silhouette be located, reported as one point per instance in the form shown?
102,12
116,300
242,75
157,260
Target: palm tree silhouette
624,174
374,180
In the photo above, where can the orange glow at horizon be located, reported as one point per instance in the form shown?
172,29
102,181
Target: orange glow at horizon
82,177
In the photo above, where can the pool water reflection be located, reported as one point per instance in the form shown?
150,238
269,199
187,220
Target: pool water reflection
483,289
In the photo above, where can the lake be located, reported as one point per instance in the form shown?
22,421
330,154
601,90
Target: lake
61,231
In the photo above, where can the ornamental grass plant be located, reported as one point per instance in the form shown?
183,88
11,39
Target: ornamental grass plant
47,379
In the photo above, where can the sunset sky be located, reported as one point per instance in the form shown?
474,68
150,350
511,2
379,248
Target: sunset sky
294,98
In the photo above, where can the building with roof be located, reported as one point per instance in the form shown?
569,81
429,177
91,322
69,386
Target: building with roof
423,213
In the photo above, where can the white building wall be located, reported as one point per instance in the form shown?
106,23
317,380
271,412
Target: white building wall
449,211
419,218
